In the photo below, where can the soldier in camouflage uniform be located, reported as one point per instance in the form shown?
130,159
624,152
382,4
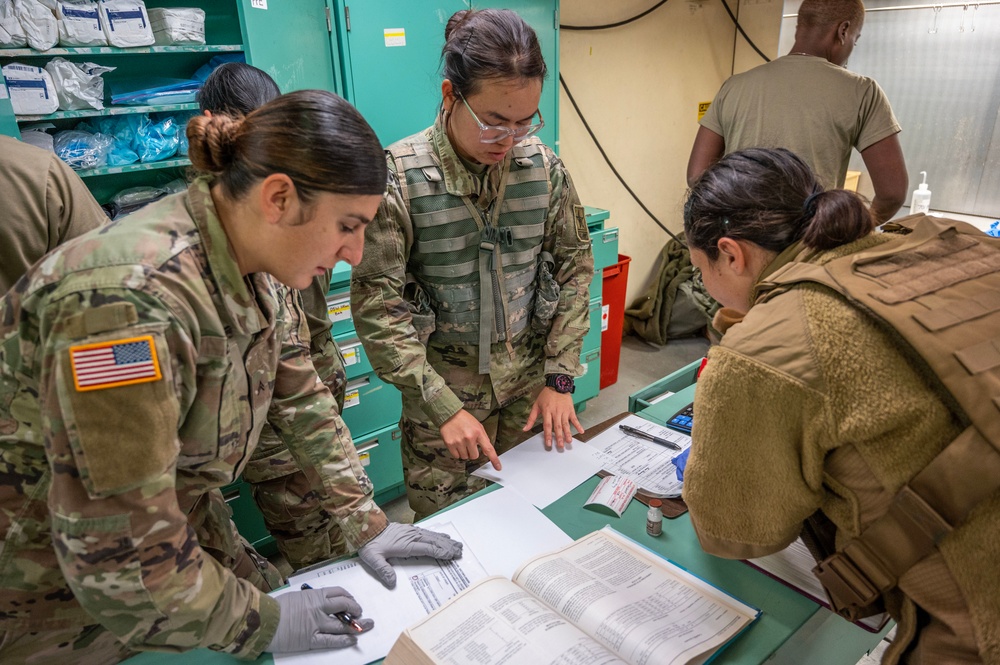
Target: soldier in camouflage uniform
304,532
472,298
138,364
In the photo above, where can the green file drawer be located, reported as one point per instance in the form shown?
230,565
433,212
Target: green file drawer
338,308
592,340
356,361
595,217
247,518
605,245
380,456
588,385
370,405
676,382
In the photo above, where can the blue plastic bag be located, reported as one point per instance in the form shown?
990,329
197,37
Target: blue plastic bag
82,150
157,140
122,130
202,72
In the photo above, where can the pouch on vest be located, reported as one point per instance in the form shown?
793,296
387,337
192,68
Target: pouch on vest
546,294
419,306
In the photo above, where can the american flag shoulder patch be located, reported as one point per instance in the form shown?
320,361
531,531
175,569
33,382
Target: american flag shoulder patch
114,363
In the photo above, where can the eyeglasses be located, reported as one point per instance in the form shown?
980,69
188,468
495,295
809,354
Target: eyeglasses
495,134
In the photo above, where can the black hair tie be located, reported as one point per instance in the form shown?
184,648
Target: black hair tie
809,206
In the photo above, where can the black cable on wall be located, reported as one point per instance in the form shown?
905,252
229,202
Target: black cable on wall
586,125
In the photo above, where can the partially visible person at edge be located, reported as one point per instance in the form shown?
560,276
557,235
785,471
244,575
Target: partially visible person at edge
473,296
44,204
292,511
848,418
809,103
138,364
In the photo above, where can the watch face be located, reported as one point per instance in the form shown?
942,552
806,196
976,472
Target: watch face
562,383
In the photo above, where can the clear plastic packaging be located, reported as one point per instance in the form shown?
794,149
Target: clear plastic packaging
82,150
157,140
78,84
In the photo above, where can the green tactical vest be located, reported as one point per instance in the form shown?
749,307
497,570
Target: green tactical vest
937,292
478,267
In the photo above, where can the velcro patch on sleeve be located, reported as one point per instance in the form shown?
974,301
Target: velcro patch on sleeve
119,362
580,219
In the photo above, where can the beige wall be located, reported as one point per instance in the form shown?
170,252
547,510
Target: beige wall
639,87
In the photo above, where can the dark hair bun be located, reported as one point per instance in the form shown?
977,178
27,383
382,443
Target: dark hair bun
212,141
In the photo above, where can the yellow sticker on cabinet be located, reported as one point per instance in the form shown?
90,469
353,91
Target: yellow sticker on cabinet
351,354
352,397
703,109
394,36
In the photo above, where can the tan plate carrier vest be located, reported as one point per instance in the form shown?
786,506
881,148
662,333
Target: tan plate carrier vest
935,290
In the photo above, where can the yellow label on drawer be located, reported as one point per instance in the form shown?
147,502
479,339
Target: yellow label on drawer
365,459
352,398
352,355
339,312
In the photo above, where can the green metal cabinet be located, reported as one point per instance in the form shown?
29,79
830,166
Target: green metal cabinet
391,59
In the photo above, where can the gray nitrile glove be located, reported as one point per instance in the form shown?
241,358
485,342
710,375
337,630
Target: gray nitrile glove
307,622
403,540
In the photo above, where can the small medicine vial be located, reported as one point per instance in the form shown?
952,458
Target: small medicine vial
654,518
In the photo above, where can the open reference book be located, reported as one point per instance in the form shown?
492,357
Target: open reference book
603,600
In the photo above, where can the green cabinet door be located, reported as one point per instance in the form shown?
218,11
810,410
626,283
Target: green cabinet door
543,16
293,42
391,58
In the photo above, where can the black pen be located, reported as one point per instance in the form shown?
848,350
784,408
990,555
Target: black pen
345,617
649,437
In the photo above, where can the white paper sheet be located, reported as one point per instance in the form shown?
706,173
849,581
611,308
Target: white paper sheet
648,464
542,476
500,530
422,585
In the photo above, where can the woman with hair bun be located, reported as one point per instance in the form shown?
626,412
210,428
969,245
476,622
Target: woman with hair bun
817,408
473,300
138,364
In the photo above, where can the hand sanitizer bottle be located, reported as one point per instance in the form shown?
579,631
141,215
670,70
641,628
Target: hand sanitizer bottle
921,201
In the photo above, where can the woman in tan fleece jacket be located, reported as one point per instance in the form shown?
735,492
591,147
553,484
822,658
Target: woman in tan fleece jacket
807,405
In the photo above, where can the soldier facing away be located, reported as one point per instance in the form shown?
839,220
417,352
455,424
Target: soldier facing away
138,364
473,296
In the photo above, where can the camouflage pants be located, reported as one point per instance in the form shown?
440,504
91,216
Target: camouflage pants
305,533
434,479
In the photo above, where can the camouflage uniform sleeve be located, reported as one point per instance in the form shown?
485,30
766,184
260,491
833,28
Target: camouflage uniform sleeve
305,415
382,319
121,537
568,240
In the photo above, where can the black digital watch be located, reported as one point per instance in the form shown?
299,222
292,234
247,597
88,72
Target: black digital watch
561,383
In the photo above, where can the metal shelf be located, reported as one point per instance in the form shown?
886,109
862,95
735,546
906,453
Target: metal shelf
129,168
108,110
114,50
